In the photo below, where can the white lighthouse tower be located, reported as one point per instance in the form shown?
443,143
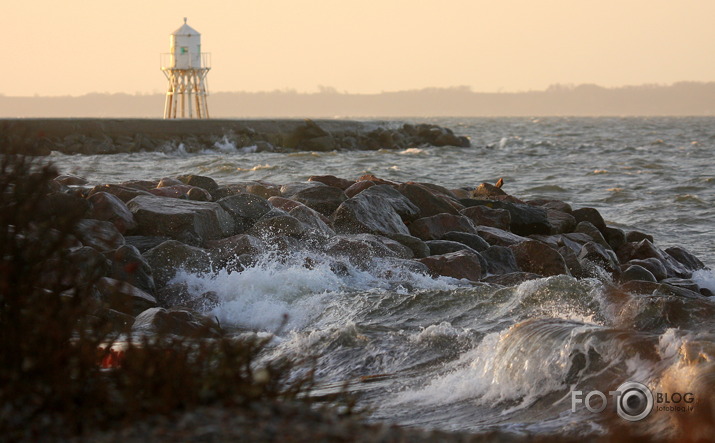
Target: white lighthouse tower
185,66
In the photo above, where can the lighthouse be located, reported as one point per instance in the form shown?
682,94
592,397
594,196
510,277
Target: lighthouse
186,67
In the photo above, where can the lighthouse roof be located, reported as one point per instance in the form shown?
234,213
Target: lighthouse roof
185,30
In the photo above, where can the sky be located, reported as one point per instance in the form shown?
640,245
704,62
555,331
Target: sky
76,47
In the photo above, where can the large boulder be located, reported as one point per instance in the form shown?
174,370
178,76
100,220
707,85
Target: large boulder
227,251
173,321
123,297
418,247
324,199
560,221
486,216
378,210
313,220
360,249
498,237
460,264
100,235
280,225
590,215
500,260
129,265
525,219
637,273
685,258
108,207
645,249
358,187
592,231
439,247
593,253
538,258
472,240
172,256
653,265
332,180
436,226
245,209
177,295
190,222
124,193
426,200
200,181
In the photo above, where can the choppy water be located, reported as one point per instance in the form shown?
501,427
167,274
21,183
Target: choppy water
465,357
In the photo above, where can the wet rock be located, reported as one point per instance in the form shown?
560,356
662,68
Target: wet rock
171,256
70,180
590,215
245,209
285,225
123,297
400,269
284,203
439,247
500,260
174,322
684,283
128,265
290,189
119,321
143,243
313,220
360,249
263,190
60,205
187,221
636,272
525,219
460,264
177,295
143,185
595,253
418,247
486,216
571,259
324,199
615,237
200,181
436,226
556,205
498,237
685,258
168,182
511,279
108,207
378,210
472,240
537,258
123,193
637,236
592,231
645,249
653,265
225,252
331,180
100,235
428,203
89,264
358,187
560,221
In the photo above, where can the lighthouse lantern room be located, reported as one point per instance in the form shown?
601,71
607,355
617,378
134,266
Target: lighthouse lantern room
186,67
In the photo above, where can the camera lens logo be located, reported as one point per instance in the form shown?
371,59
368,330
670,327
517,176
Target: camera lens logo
635,401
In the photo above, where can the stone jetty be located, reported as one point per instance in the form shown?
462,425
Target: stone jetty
135,236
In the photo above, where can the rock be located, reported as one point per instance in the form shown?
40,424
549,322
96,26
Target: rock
510,279
288,190
313,220
168,182
597,254
285,225
284,203
653,265
436,226
685,258
123,297
107,207
472,240
119,321
377,210
592,231
324,199
199,181
486,216
525,219
500,260
100,235
263,190
63,206
560,221
590,215
245,209
187,221
400,269
358,187
635,272
571,259
89,264
143,185
331,180
440,247
418,247
174,322
428,203
556,205
537,258
684,283
128,265
70,180
360,249
225,252
460,264
637,236
123,193
177,295
143,243
171,256
645,249
498,237
615,237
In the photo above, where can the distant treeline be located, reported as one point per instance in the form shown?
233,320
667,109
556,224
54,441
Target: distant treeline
685,98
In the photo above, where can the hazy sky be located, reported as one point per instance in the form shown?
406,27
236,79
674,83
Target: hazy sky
73,47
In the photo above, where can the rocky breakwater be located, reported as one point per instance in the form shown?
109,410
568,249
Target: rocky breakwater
110,136
135,236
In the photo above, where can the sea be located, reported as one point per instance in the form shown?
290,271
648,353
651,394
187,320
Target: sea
535,359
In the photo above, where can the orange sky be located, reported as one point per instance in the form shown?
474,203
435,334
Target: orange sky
74,47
